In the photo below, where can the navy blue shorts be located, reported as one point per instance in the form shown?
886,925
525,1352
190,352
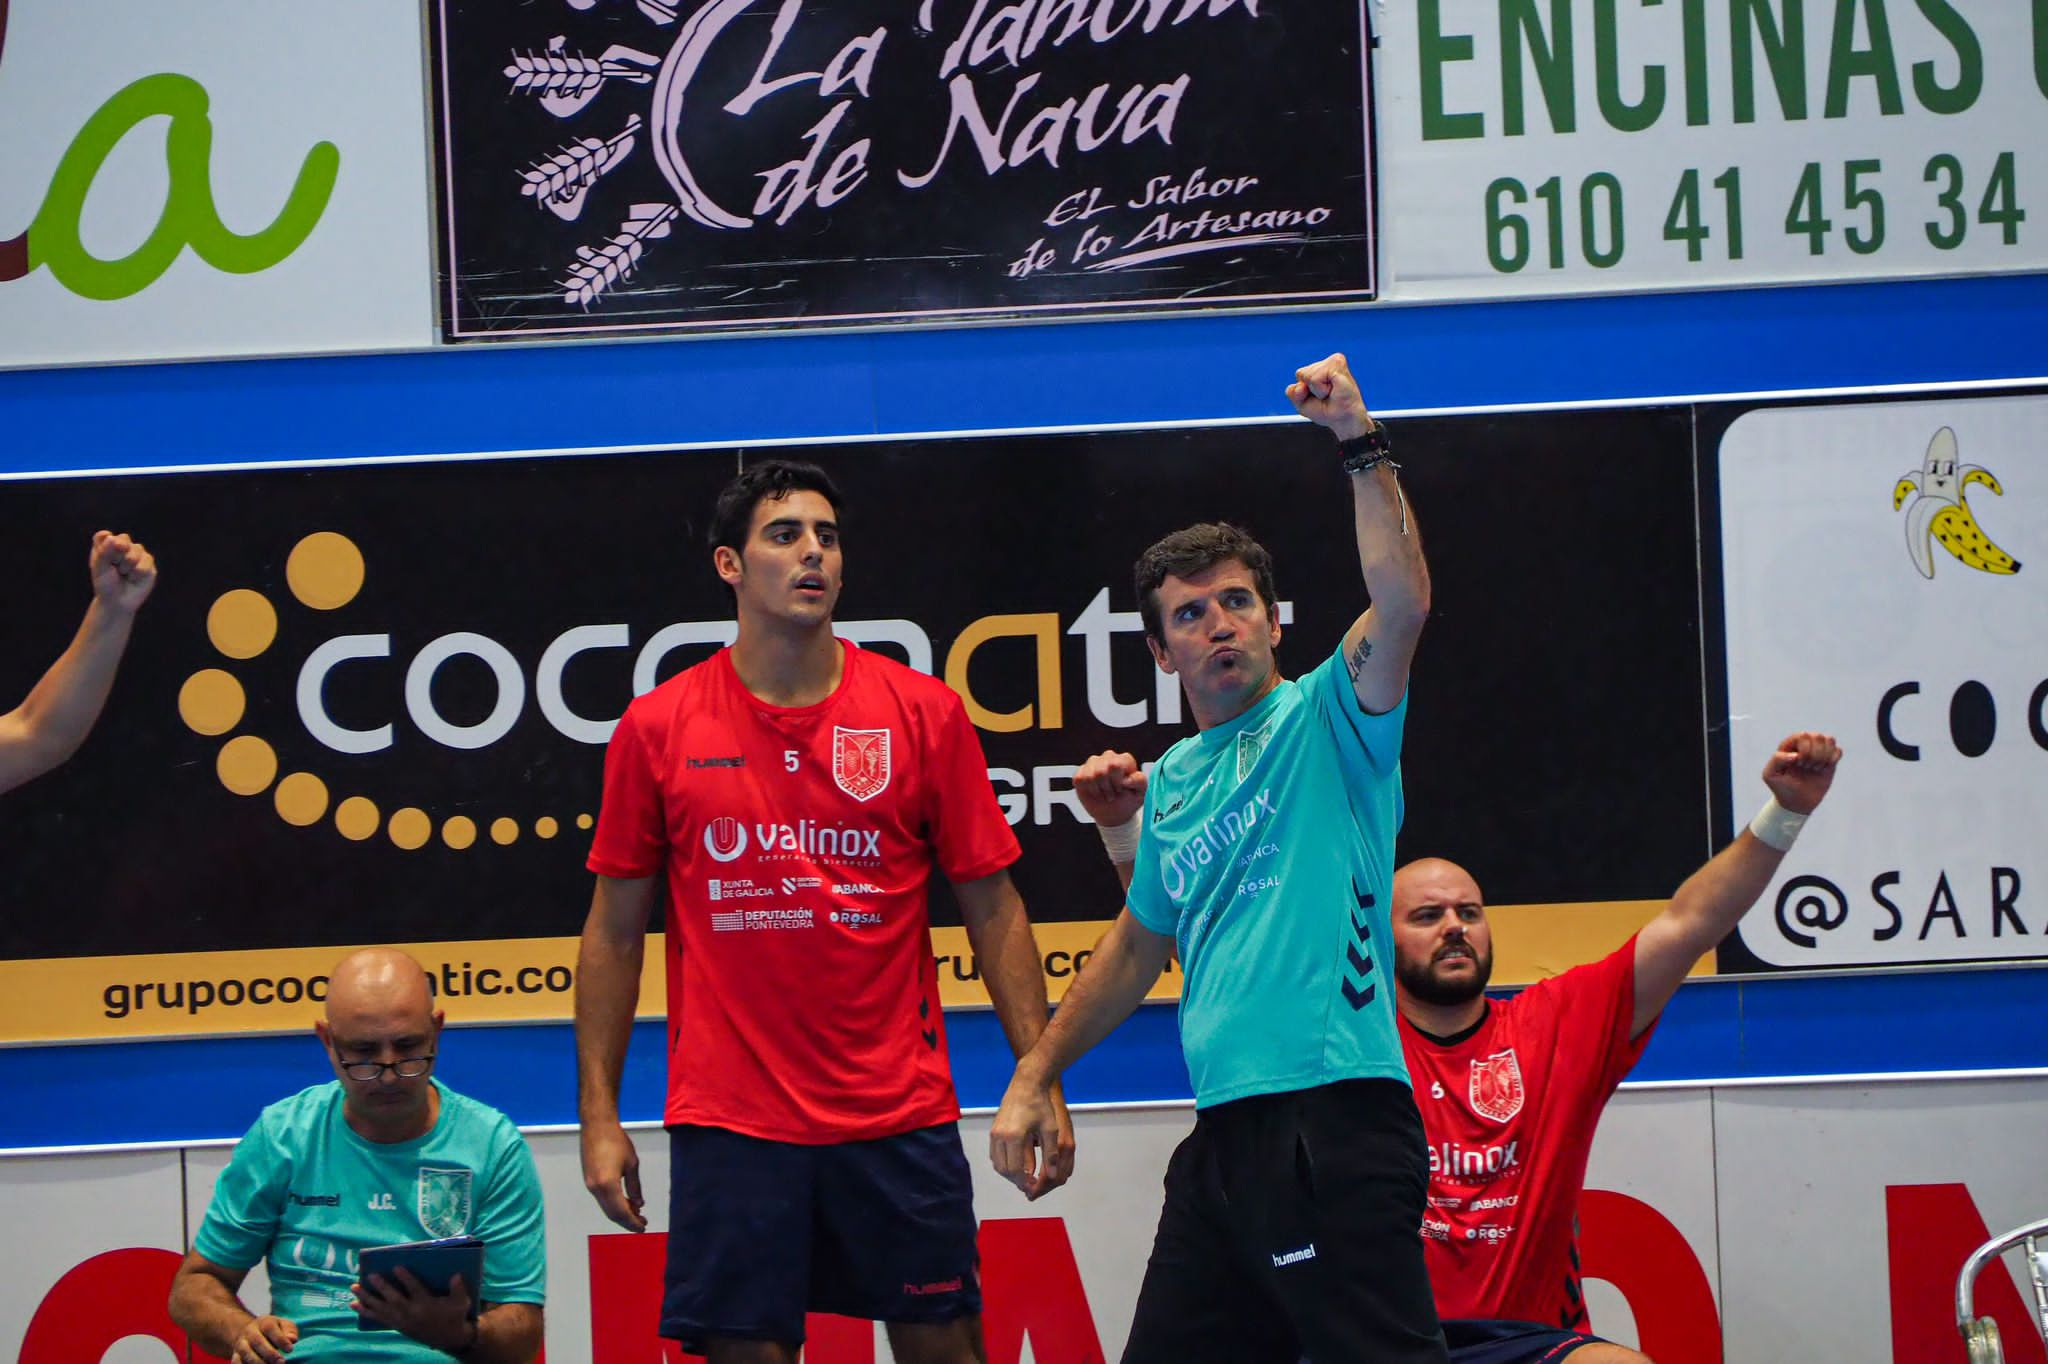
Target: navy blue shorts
1511,1342
761,1232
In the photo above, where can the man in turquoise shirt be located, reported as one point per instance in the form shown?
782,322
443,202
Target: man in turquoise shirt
384,1154
1266,857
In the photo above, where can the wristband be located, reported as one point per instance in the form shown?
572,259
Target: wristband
1120,841
1775,826
1367,450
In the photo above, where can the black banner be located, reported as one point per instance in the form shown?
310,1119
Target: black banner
429,654
717,163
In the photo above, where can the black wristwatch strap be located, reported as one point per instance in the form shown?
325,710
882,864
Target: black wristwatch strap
1364,451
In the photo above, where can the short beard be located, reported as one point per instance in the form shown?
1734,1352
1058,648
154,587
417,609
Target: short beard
1424,984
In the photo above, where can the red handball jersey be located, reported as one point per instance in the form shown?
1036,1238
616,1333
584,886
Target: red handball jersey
1509,1111
803,1002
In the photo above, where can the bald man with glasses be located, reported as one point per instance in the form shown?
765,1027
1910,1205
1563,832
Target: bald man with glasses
382,1154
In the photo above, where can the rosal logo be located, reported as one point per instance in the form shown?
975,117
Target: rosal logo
54,239
1940,511
324,572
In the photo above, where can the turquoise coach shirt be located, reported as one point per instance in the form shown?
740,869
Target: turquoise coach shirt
1267,853
304,1193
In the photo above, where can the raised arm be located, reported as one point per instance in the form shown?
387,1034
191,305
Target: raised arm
1712,900
1111,788
1381,643
1000,933
48,726
607,993
1024,1142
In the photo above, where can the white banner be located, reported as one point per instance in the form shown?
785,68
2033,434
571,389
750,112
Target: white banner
1878,586
1593,146
226,177
1747,1224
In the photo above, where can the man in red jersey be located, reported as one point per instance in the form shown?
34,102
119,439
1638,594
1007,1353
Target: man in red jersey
1511,1090
795,791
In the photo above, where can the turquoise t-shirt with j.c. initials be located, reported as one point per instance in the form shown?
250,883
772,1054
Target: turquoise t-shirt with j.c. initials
1267,853
306,1194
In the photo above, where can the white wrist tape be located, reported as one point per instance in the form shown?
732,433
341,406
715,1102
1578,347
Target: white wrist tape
1121,840
1776,827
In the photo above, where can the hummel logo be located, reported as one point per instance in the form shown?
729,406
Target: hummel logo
739,761
318,1200
1295,1257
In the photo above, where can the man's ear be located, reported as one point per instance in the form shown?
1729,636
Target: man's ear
1273,627
1159,655
320,1031
730,565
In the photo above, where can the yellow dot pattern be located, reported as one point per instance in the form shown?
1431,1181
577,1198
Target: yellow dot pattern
242,623
325,570
357,818
247,765
301,799
410,828
211,702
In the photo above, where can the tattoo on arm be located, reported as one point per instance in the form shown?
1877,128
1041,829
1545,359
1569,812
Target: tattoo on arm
1355,662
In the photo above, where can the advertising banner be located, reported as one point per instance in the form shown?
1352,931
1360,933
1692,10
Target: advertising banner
1797,1222
1877,575
755,163
236,177
1583,146
1846,1213
369,704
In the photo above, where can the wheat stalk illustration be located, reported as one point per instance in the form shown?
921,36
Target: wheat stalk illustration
562,74
577,166
597,269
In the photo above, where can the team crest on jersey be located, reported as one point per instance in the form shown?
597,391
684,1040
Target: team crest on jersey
860,761
444,1201
1496,1089
1250,745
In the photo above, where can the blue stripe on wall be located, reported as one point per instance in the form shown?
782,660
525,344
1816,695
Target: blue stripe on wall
1232,365
1714,1030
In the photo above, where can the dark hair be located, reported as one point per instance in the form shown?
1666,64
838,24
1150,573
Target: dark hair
773,480
1185,553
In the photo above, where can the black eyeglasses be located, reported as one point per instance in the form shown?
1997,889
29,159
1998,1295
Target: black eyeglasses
408,1068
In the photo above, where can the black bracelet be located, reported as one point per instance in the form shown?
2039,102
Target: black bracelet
1366,451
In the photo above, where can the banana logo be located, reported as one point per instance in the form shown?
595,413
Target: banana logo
1940,511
